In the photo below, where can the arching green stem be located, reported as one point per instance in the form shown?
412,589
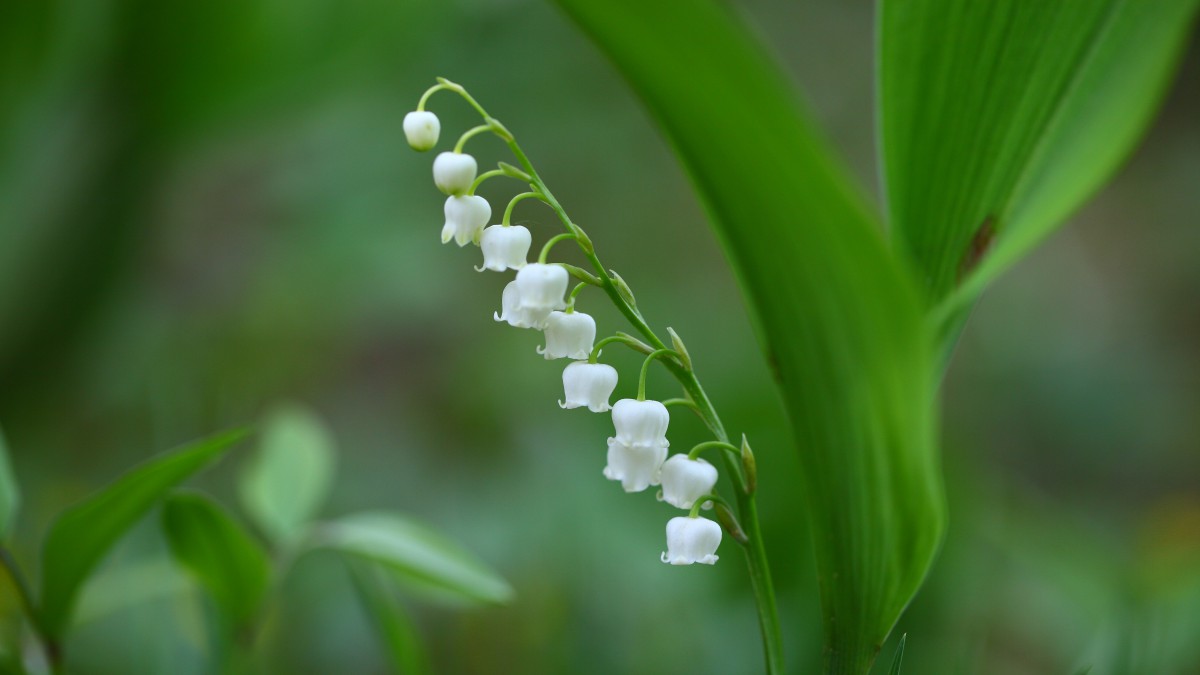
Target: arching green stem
508,210
631,342
656,354
682,402
484,176
474,131
704,500
574,293
701,447
550,244
756,556
430,92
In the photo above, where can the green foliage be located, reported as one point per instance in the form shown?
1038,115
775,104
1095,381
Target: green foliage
10,493
838,316
83,534
218,551
289,478
416,554
400,639
899,657
1000,118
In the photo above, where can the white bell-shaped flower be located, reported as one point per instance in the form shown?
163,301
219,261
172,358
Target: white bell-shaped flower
505,247
542,286
686,480
569,335
453,172
641,422
588,384
517,316
421,128
637,466
692,540
466,216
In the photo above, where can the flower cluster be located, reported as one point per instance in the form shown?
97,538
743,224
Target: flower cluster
537,298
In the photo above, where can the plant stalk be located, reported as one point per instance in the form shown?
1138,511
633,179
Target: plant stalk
756,556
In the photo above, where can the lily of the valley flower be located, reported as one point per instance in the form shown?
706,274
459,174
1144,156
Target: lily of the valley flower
637,452
641,422
517,316
685,480
568,335
542,287
421,128
588,384
692,540
636,466
453,172
505,247
466,216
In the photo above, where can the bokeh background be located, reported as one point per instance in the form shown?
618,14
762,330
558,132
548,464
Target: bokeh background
207,208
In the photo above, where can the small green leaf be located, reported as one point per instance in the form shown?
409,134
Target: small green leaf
416,553
217,550
395,628
84,533
10,493
895,669
677,344
288,479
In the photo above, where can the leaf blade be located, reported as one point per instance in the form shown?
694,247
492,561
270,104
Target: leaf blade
206,541
839,318
82,535
415,552
1003,130
289,477
395,629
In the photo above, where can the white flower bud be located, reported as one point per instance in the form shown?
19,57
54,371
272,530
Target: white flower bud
686,480
542,286
453,172
692,540
422,127
641,422
568,335
504,247
516,316
588,384
637,466
466,216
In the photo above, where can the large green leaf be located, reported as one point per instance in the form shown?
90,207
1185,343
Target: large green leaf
83,534
415,553
218,551
288,479
839,318
10,494
1000,118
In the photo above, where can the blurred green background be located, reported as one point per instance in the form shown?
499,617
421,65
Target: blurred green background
209,207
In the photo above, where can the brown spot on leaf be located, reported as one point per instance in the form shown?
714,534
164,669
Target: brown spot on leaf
980,243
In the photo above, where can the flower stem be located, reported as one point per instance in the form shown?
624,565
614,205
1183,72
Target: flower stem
462,140
756,555
50,645
512,203
550,244
574,294
484,176
631,342
656,354
714,444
